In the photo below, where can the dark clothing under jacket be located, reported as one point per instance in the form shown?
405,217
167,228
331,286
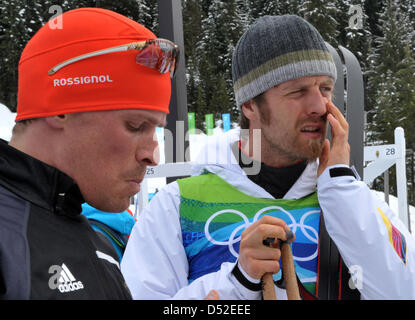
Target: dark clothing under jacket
48,250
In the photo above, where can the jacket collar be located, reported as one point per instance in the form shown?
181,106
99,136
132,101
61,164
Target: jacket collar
38,183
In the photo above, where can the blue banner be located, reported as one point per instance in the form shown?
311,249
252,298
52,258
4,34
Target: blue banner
226,117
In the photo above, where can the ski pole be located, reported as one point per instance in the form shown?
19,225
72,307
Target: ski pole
268,290
289,275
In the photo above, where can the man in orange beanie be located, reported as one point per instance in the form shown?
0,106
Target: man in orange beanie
89,99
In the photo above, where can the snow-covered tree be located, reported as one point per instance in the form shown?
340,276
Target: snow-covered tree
259,8
386,54
193,16
354,31
147,13
221,29
322,15
406,87
408,7
13,37
392,79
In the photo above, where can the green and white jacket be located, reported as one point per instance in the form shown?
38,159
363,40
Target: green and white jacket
186,241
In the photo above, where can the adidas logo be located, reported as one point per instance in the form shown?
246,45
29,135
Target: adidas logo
63,280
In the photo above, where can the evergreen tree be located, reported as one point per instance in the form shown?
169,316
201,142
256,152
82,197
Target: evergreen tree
193,16
289,6
408,7
204,84
221,95
388,110
200,108
405,83
406,88
354,35
13,37
322,15
259,8
221,29
386,53
392,76
147,14
373,8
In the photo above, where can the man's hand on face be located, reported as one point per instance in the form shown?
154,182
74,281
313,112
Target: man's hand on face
255,258
339,152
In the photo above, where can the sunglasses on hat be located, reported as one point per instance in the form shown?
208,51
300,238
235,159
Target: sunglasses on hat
159,54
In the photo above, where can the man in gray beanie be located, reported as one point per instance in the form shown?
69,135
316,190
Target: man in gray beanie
212,226
275,50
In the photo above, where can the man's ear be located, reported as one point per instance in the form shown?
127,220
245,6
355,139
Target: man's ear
57,122
250,110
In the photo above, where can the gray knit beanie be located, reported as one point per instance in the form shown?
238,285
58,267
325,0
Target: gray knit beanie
276,49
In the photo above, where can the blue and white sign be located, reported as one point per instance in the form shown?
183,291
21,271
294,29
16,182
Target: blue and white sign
226,117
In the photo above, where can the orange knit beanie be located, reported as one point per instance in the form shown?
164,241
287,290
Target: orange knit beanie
106,82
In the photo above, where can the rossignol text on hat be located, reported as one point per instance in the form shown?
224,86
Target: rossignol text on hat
81,80
105,82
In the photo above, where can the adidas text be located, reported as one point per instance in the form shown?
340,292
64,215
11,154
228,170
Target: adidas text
70,286
63,280
81,80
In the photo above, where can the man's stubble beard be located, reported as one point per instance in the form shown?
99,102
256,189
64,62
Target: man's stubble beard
316,147
282,148
313,151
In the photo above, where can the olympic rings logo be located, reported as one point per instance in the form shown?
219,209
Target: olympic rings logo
309,232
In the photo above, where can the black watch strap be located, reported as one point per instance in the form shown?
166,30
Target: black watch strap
341,171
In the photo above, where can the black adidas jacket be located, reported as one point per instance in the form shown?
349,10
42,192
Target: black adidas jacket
48,250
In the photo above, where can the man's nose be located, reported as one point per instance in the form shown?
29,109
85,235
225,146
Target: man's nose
148,150
316,103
